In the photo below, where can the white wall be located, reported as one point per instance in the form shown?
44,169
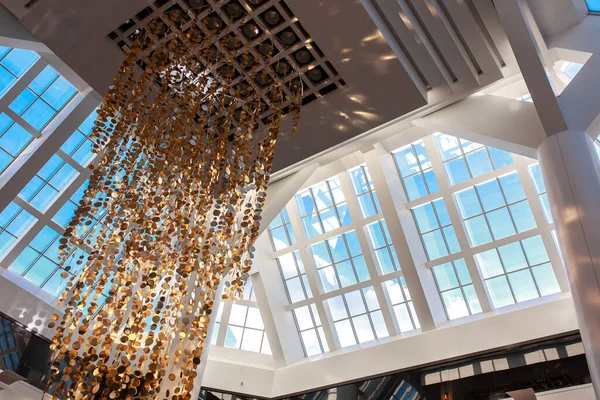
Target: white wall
494,330
583,392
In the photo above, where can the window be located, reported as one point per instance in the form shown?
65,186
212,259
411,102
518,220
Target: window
79,146
14,223
456,289
593,5
415,169
495,209
323,207
538,181
39,264
66,213
527,98
45,96
311,331
385,254
249,293
13,65
357,317
517,272
402,304
13,140
215,334
45,187
570,69
294,276
363,188
340,262
246,330
434,225
281,232
464,160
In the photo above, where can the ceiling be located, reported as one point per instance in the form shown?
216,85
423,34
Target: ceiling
389,59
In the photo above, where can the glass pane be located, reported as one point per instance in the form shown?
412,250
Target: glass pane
455,304
490,195
364,332
294,287
415,187
371,298
500,158
312,226
353,244
19,60
434,245
338,249
462,271
448,146
322,196
24,260
15,140
366,205
360,265
536,175
499,292
403,317
345,333
425,218
288,266
254,320
40,271
512,188
472,299
445,276
330,219
22,102
422,155
489,263
321,254
523,217
59,93
442,212
39,114
546,208
394,291
479,162
43,80
303,318
345,273
522,285
468,203
379,324
451,240
431,181
344,214
545,279
6,80
512,257
238,315
305,203
252,340
311,342
500,223
457,171
478,231
328,279
535,250
376,235
359,181
355,303
336,190
384,261
406,161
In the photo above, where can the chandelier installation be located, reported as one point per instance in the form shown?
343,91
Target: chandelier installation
185,154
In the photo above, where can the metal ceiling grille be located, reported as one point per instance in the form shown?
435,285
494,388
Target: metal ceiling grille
255,25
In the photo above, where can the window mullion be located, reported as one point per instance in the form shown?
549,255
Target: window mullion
446,192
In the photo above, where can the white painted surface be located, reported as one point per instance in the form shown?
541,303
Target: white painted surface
571,171
583,392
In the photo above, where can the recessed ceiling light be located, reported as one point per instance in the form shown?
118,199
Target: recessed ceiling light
265,49
315,74
288,37
213,23
251,30
234,10
282,68
302,56
272,17
197,3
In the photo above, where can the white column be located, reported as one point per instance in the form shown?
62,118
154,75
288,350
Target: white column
571,171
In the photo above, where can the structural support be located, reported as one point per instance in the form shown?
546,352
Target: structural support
571,170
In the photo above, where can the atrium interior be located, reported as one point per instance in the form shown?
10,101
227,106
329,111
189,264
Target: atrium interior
428,232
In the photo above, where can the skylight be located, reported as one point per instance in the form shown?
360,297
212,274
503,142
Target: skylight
593,5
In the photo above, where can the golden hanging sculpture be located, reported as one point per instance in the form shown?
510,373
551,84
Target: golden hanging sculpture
184,165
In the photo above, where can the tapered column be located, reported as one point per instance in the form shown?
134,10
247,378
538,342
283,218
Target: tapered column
571,170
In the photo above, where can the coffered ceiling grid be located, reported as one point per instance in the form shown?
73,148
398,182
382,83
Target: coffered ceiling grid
247,26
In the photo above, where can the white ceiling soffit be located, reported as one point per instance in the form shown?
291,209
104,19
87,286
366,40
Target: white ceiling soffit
431,52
